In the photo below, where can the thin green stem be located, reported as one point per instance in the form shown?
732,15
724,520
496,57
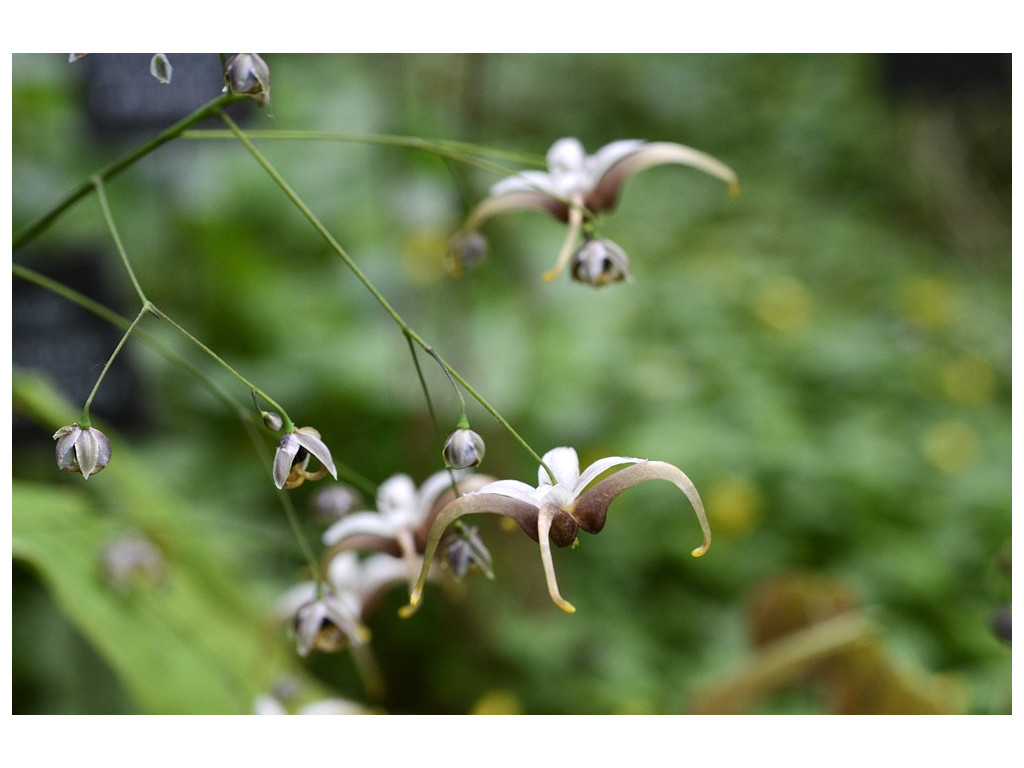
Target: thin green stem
40,224
463,152
31,276
343,255
288,426
108,217
423,385
85,421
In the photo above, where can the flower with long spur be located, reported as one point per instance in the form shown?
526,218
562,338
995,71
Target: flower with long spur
404,516
559,507
329,617
577,186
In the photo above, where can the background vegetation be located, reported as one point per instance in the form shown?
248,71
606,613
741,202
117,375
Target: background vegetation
827,356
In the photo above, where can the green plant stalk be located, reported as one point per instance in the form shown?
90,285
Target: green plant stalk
109,219
343,255
31,276
85,421
148,306
288,425
464,152
39,225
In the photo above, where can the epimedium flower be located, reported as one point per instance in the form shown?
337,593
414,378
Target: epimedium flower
329,618
599,262
292,458
86,451
559,506
248,73
577,186
402,521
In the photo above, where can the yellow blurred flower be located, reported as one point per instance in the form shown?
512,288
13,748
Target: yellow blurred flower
950,445
783,303
734,505
968,381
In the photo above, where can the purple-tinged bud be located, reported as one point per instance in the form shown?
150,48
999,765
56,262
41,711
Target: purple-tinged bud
464,448
599,262
249,74
86,451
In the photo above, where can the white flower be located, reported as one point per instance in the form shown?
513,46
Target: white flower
577,185
402,516
333,621
559,506
293,454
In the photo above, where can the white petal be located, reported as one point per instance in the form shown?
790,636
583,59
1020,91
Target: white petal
526,181
431,489
284,457
597,468
343,572
512,489
268,705
360,523
565,463
567,156
396,499
333,707
610,154
288,604
309,439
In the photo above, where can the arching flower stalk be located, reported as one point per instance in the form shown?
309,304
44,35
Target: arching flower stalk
578,186
555,512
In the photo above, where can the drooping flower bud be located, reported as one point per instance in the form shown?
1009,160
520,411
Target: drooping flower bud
464,448
466,551
272,421
467,250
332,503
248,73
599,262
292,458
86,451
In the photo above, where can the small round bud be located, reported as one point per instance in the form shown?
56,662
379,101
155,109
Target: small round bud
272,421
464,448
467,250
332,503
248,73
86,451
599,262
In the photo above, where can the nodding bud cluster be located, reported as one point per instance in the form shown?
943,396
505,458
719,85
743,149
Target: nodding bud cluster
86,451
600,262
247,73
464,448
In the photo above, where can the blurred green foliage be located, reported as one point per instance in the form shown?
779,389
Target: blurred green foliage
827,356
